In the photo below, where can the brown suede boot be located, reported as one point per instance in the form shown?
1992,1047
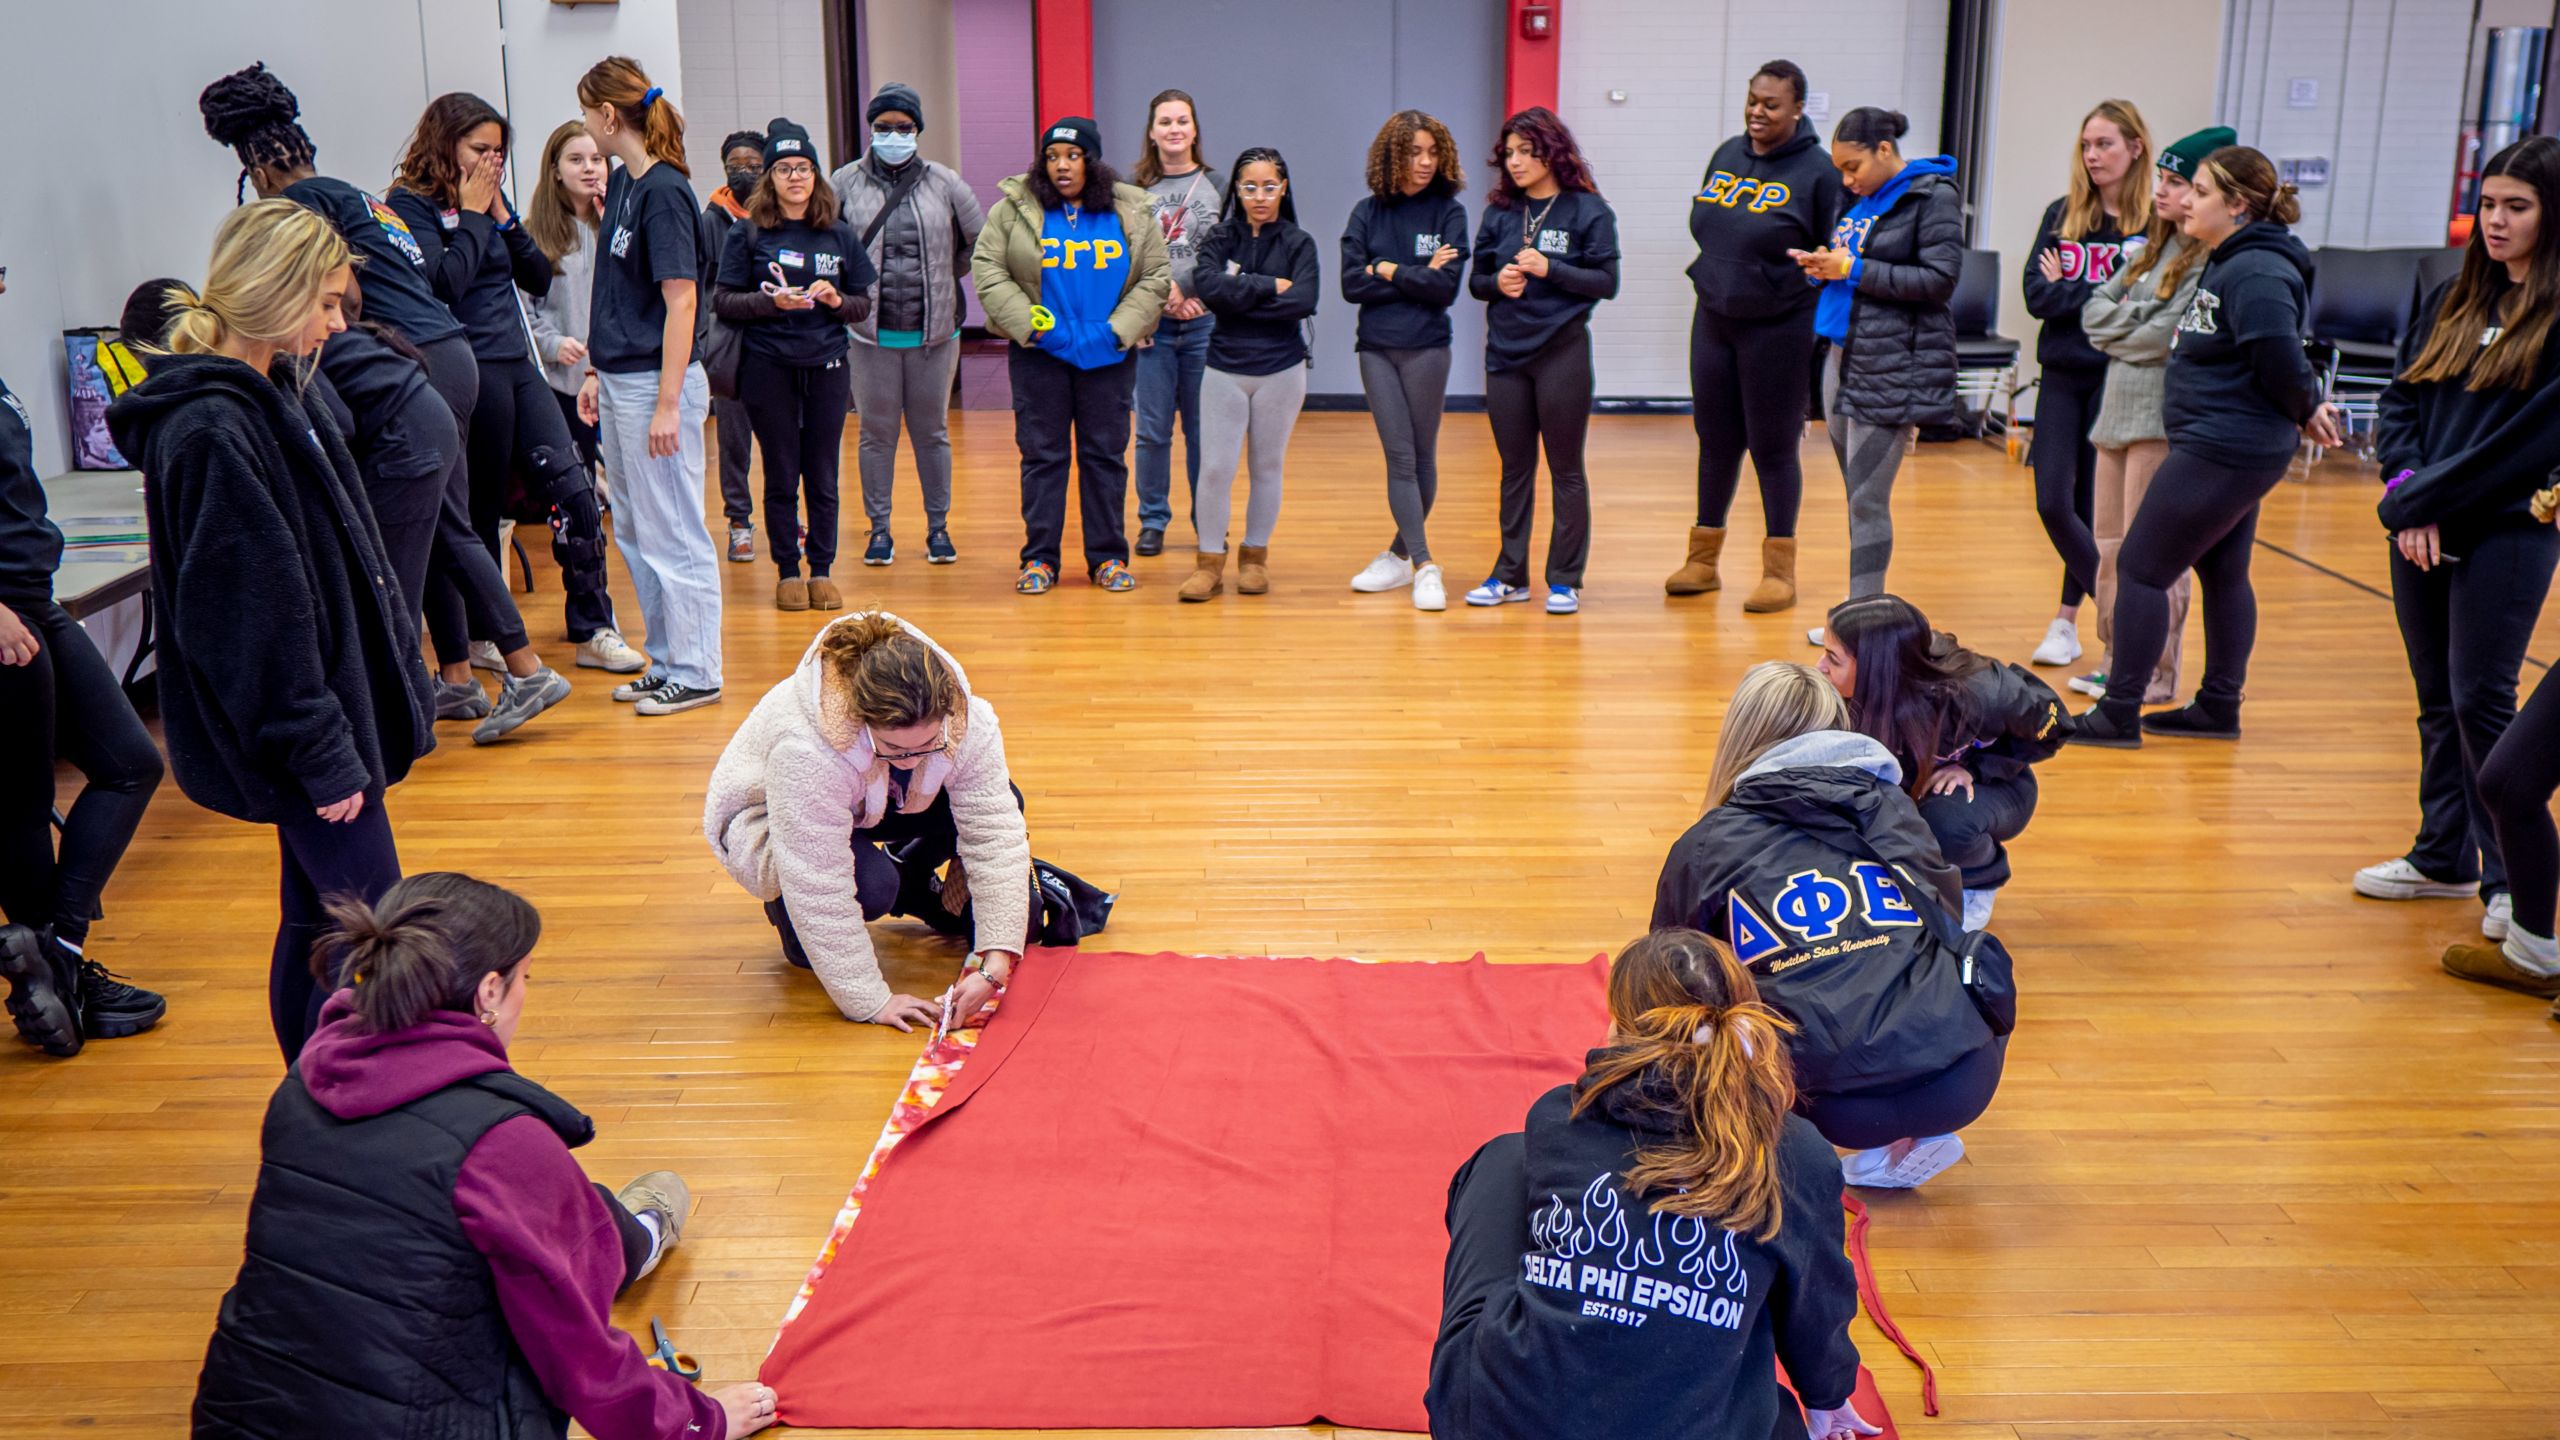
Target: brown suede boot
791,594
1253,572
1706,544
1208,576
823,594
1777,587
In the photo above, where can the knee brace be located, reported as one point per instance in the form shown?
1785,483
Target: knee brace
577,521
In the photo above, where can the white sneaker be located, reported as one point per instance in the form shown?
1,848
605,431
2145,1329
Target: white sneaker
1878,1170
484,656
1428,591
2061,643
2397,879
1494,592
2500,917
2093,684
1977,908
606,650
1389,571
1813,637
1563,600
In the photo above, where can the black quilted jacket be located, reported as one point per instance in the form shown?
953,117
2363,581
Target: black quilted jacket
1899,367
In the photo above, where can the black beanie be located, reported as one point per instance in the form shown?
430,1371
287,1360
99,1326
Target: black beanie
785,140
747,138
1074,130
898,96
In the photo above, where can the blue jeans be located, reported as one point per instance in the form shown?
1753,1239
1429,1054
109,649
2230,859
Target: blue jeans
1169,380
658,523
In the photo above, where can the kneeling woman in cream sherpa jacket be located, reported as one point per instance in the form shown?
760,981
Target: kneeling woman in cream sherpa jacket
848,787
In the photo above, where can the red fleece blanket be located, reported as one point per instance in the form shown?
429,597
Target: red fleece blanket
1234,1218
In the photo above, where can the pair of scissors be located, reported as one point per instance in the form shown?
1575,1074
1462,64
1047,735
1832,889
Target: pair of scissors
780,284
670,1359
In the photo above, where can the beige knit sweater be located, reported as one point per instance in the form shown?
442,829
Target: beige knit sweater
2133,332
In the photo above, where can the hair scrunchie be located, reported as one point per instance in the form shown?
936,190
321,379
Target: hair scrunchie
651,98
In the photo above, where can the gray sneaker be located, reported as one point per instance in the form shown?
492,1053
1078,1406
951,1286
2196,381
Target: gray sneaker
662,1195
519,701
460,700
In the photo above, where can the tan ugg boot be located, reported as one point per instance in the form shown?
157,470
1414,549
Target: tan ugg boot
1706,543
1208,576
1253,569
791,594
1777,587
823,594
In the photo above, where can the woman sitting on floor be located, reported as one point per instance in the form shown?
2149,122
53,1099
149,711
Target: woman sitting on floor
424,1255
1668,1185
1816,867
855,779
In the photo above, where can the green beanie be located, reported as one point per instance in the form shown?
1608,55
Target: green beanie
2182,158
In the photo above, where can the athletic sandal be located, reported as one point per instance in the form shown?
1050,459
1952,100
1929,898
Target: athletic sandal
2397,879
2193,722
2105,729
1038,578
663,1196
1113,577
2491,965
1920,1161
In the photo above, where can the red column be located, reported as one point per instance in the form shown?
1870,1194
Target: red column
1062,57
1529,65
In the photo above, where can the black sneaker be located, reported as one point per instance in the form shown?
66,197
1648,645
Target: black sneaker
938,549
110,1008
2108,730
881,551
44,989
644,687
2194,721
1150,541
674,699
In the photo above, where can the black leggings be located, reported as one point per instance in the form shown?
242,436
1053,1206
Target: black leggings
1748,391
2066,467
896,866
321,859
797,412
2516,782
1546,398
516,424
442,568
2203,516
1974,827
66,705
1940,1105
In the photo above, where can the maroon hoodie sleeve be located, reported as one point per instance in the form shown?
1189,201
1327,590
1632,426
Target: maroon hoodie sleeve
557,1258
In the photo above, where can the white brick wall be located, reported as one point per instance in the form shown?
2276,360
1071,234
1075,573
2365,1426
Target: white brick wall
745,62
1684,65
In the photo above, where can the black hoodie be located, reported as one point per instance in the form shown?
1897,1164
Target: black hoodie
1823,877
1750,211
477,269
2087,263
30,543
2474,457
1411,311
1258,331
1578,233
2239,387
1629,1325
289,670
394,269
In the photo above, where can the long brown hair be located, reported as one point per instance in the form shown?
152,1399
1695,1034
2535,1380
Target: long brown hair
1555,148
2524,317
424,946
1150,162
1695,1054
2157,238
552,218
1391,156
764,203
2084,209
889,678
2249,177
427,165
618,81
1911,693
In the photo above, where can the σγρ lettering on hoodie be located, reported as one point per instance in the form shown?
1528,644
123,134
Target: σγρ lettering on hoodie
1750,210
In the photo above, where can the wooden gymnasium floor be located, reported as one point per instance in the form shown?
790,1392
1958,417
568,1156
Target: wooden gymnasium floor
2258,1169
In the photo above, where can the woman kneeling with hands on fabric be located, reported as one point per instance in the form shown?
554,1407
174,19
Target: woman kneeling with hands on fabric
853,782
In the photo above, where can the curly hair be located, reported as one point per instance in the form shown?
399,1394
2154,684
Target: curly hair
1554,146
1391,156
889,678
1098,180
426,164
252,112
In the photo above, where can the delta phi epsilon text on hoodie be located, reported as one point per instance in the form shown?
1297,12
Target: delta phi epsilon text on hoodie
1751,209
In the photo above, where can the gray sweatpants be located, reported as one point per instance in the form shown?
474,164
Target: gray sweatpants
914,385
1235,410
1406,390
1869,454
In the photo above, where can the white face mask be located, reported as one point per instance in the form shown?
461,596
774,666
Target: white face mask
893,148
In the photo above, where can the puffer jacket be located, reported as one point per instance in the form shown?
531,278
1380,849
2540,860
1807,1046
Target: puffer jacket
793,786
939,204
1899,367
2013,720
1824,879
1006,265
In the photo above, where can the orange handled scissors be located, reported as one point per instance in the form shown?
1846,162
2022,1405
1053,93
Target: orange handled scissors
668,1358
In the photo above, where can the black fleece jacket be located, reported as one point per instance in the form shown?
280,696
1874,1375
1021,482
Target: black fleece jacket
2239,387
2087,263
289,669
1411,311
30,543
476,269
1257,331
1632,1325
1750,211
2006,720
2475,457
1578,233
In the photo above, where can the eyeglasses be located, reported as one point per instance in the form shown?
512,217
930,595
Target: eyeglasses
1259,191
794,170
894,127
896,757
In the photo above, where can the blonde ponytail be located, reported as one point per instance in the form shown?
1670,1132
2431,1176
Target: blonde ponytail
271,261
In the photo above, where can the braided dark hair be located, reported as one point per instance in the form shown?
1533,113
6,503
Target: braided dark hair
1259,155
252,112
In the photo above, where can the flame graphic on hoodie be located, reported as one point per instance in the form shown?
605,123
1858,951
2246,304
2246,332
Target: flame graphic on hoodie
1702,1254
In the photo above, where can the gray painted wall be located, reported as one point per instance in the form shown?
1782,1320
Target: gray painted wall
1313,79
